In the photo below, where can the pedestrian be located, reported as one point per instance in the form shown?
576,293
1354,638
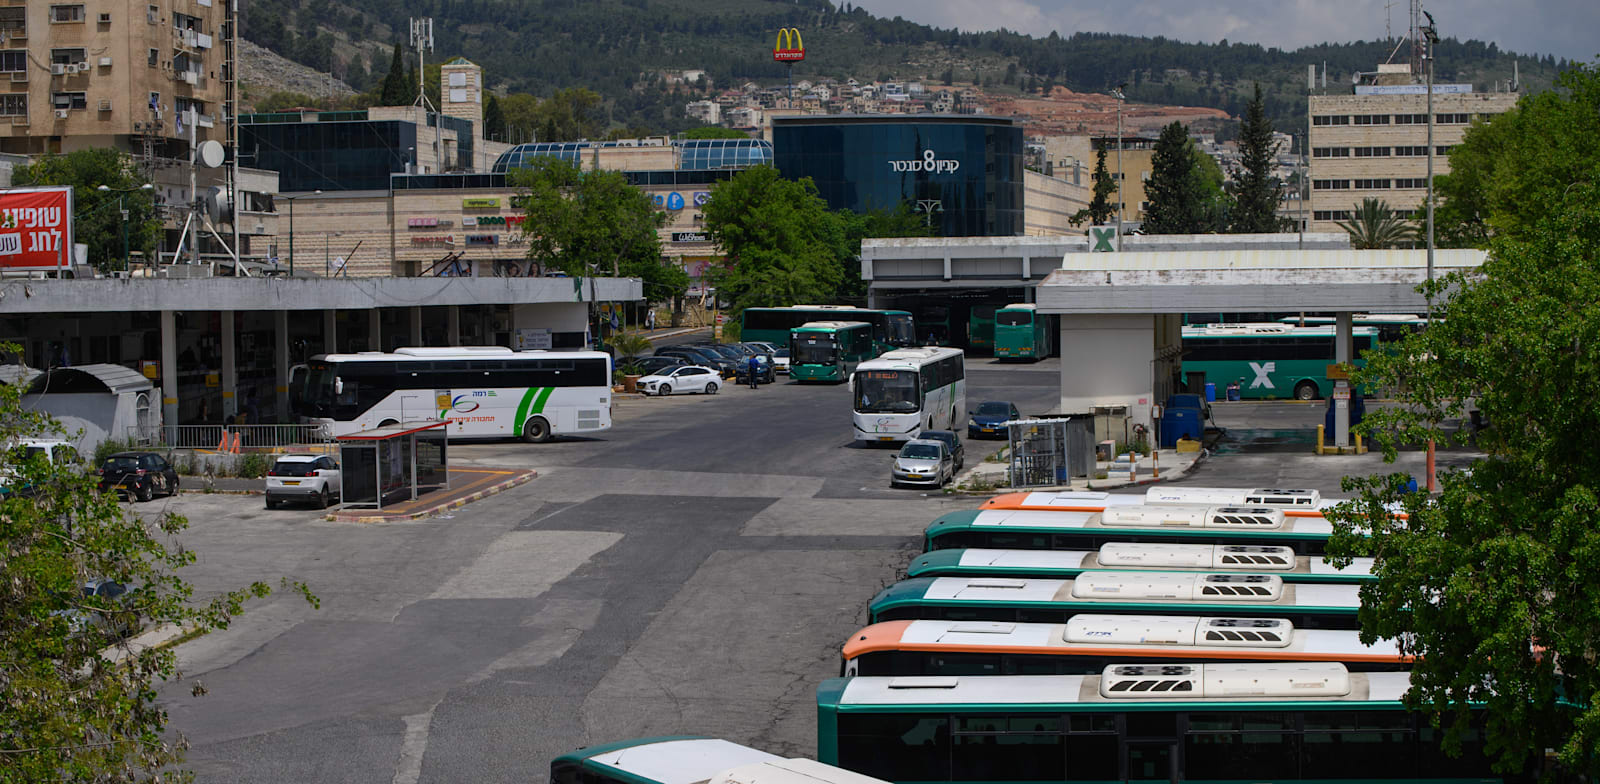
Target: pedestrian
650,319
755,373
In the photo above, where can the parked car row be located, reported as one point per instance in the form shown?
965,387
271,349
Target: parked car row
704,367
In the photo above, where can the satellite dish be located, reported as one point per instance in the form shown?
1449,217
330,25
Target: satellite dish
218,206
211,154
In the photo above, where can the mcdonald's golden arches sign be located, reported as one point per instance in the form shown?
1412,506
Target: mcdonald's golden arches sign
789,48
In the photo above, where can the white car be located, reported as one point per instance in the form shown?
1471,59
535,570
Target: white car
780,360
314,478
685,378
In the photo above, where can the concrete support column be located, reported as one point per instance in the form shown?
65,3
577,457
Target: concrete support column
280,364
452,330
1106,360
416,325
1341,388
1027,267
169,374
330,331
375,329
948,268
230,373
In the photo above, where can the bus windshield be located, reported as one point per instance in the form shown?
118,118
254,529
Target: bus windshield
814,351
887,392
316,399
901,330
1013,318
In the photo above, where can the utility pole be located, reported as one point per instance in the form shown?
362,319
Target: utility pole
1432,39
1121,178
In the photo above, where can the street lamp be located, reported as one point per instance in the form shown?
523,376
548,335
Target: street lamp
1116,93
1431,37
123,208
291,200
928,207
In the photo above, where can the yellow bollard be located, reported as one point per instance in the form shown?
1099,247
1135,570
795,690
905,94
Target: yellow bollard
1155,464
1319,439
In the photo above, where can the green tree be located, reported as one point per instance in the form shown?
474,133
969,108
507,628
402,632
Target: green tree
494,119
595,222
1506,172
97,219
1373,226
570,115
283,101
1100,209
1256,193
714,132
898,222
72,713
1490,583
522,117
781,243
1178,199
395,88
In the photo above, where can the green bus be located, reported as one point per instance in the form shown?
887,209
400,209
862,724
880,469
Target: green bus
829,350
1138,556
1268,361
1040,600
1198,723
980,328
1021,332
890,328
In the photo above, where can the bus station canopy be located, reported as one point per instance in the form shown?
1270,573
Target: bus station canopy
1248,281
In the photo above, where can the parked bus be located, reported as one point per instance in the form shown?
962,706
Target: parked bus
1268,360
1139,556
484,391
980,329
1198,723
1040,600
1021,332
1293,502
1390,326
691,760
890,328
898,395
1085,644
829,350
991,529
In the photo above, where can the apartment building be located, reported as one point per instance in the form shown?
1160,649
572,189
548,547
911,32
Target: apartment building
1373,142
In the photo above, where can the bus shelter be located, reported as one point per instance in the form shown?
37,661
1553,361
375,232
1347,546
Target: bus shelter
393,464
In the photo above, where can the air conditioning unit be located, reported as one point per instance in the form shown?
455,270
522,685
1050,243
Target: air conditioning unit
71,68
105,62
83,65
191,77
105,104
58,68
61,114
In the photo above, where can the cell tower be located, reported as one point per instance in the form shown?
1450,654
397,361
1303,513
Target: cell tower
1418,50
422,39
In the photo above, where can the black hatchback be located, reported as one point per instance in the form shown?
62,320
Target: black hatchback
141,475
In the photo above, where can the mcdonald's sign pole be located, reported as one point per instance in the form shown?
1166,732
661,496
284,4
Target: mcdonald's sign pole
789,49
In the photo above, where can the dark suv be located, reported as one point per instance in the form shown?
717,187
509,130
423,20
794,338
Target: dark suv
141,475
741,357
699,355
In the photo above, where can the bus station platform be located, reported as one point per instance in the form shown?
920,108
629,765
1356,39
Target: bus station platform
466,485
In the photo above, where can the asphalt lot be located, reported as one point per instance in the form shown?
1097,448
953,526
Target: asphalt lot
691,571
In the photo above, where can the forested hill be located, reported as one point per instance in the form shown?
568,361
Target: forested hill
615,47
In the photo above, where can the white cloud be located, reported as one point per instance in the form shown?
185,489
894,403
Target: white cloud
1565,28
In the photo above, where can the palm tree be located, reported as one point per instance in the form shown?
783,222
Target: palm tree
1374,227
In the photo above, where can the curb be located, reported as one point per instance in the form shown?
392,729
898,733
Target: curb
457,503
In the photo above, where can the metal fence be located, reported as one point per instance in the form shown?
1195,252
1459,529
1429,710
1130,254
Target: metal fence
236,438
1047,452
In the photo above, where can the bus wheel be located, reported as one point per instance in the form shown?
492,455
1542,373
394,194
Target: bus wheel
536,431
1305,390
387,423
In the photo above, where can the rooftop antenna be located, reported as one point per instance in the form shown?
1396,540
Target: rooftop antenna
1417,45
422,39
1388,21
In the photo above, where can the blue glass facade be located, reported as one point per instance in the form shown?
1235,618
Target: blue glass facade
340,151
693,154
966,171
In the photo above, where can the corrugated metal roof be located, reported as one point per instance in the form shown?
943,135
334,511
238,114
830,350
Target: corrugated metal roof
17,375
115,378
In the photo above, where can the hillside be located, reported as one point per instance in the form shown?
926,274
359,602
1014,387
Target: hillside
616,47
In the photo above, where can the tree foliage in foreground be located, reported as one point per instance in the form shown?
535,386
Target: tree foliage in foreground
76,702
1507,172
1492,583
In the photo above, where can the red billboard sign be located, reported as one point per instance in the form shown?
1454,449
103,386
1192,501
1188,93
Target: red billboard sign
789,48
35,228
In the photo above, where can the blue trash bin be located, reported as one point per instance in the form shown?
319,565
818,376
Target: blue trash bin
1233,392
1211,391
1179,423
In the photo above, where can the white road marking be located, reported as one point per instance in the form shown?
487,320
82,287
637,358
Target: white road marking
408,769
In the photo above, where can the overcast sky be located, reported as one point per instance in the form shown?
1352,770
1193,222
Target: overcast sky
1564,28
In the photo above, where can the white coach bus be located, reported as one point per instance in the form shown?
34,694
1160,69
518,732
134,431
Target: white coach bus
898,395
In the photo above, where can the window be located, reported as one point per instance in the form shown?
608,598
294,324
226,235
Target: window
152,14
68,56
154,57
1443,149
1331,119
1416,151
1330,152
1372,119
1411,119
1372,152
907,748
70,100
183,105
14,105
14,19
14,61
66,13
1411,182
1330,185
1452,119
1330,215
1372,185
